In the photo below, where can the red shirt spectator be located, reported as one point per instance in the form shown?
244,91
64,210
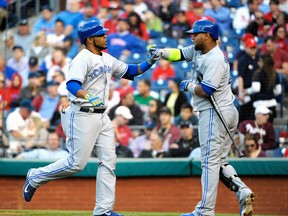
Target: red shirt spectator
163,71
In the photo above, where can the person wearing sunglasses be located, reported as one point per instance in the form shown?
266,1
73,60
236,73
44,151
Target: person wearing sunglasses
252,148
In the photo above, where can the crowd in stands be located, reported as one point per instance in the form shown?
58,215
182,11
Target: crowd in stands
152,118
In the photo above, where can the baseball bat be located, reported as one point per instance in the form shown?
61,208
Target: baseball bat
215,106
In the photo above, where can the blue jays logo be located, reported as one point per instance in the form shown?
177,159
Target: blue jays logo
99,71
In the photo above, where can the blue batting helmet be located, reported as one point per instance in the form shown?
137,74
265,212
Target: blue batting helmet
208,26
88,29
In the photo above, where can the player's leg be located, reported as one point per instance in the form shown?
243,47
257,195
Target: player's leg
81,132
106,179
210,158
228,175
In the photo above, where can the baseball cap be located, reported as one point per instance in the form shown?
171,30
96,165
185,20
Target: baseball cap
165,110
7,35
46,7
150,124
124,111
33,61
51,83
198,4
23,22
129,2
26,103
246,36
17,47
250,43
33,75
186,124
114,5
262,110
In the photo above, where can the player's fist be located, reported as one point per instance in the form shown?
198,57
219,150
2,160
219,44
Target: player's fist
94,100
186,85
153,54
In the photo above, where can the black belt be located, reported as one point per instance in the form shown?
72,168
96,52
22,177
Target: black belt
92,110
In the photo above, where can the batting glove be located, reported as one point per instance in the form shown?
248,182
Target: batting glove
153,54
186,85
94,100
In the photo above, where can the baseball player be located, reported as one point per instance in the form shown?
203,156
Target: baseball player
209,62
85,121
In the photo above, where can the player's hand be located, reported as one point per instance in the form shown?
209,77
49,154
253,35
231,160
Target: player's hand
153,54
94,100
184,85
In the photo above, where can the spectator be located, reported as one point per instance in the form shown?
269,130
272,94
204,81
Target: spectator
24,37
7,48
252,148
186,114
125,85
186,144
46,22
266,85
179,26
6,70
283,6
166,11
55,39
144,96
53,151
113,97
280,38
71,18
140,7
247,65
244,15
14,89
198,9
271,16
123,132
34,87
163,71
175,98
221,14
33,64
70,45
262,129
47,103
167,129
40,46
123,43
19,62
17,126
59,77
128,7
127,99
112,22
5,98
280,57
154,24
137,26
88,13
142,142
154,110
259,26
157,149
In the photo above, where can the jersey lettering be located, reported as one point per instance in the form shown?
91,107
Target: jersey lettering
99,71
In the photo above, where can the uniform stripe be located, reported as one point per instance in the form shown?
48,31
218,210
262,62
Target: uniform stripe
70,158
206,163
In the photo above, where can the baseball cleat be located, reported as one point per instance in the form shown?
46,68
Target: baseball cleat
28,191
110,213
187,214
247,208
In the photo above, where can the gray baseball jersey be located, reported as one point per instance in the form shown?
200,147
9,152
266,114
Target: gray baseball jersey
215,70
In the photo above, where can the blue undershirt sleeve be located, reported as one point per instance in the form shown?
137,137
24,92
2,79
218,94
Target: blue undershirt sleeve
208,90
133,70
73,86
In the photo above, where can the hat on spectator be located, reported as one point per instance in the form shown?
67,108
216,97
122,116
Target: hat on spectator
26,103
198,4
262,110
186,124
114,5
7,35
150,125
246,36
165,110
123,93
250,43
23,22
17,47
33,61
46,7
51,83
33,75
129,2
124,111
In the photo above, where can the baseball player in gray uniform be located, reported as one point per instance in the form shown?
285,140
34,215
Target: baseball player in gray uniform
85,121
209,62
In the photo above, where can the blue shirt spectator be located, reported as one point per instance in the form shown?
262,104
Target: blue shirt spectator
46,22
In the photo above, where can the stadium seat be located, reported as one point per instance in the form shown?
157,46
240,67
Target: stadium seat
135,58
183,42
274,152
163,42
182,69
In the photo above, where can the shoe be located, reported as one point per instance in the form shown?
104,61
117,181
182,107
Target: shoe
110,213
247,206
187,214
28,190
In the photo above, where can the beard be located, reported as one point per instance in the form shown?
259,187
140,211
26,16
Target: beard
100,47
198,47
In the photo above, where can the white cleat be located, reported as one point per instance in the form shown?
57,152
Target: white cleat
247,206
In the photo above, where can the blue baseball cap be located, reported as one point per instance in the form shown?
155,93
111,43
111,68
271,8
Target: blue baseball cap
26,103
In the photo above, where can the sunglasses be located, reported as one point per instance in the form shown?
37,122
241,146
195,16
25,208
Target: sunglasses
250,146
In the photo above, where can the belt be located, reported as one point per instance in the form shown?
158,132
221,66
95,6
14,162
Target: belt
92,110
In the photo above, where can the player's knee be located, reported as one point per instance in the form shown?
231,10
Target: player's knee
78,165
228,181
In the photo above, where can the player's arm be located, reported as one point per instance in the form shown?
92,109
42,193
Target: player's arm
170,54
201,90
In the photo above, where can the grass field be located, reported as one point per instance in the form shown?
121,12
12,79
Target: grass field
87,213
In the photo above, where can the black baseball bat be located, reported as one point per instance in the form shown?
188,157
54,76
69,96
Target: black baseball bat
215,106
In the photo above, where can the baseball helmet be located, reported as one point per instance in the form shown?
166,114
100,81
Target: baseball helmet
88,29
208,26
